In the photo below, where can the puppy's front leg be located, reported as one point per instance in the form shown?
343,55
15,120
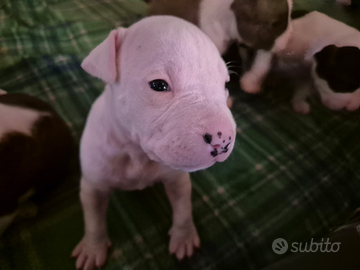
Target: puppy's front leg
299,100
91,252
252,80
183,234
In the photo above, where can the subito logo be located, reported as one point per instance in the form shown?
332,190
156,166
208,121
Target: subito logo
280,246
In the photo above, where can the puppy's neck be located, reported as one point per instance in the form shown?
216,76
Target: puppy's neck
116,126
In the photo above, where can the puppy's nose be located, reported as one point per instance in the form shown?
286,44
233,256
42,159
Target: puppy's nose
219,141
207,138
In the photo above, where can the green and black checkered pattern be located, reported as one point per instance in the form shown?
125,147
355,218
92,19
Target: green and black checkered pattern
289,176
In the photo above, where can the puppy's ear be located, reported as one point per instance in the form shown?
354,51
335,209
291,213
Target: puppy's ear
102,61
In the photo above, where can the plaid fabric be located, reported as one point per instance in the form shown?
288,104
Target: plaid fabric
290,176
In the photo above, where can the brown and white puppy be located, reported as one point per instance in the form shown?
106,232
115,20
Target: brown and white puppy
263,25
35,148
329,51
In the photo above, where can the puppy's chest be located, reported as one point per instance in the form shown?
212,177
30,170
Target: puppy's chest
294,56
132,170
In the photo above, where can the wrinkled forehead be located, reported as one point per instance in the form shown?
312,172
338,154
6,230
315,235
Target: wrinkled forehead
173,46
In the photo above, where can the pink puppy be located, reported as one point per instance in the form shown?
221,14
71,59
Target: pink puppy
162,115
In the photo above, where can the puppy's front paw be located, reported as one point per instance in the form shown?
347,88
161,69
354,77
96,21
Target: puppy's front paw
91,254
250,83
353,105
183,240
301,107
336,102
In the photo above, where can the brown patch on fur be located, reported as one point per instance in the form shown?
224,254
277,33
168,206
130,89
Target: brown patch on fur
39,161
260,22
26,101
340,67
186,9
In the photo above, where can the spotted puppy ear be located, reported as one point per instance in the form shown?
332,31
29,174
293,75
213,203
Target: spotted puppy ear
102,61
340,67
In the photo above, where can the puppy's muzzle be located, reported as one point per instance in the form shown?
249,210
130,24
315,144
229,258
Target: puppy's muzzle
220,142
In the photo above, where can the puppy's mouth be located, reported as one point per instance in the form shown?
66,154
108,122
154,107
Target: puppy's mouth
218,150
188,157
154,157
187,167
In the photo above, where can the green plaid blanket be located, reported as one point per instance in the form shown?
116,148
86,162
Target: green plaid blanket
290,176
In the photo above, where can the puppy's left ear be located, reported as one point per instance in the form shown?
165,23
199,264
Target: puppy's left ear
102,61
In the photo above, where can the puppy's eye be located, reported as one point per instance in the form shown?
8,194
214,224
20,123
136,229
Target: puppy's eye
159,85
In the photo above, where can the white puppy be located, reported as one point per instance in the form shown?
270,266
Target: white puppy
330,51
163,114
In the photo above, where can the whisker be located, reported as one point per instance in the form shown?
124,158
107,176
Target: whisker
229,62
232,67
233,72
232,63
